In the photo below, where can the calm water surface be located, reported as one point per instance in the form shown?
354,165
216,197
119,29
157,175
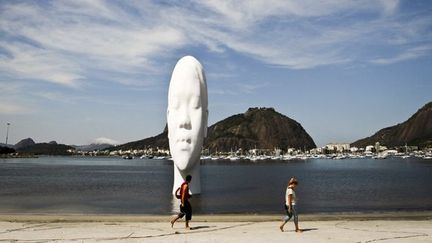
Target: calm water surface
117,186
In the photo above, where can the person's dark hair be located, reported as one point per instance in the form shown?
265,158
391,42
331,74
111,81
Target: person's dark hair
292,181
188,178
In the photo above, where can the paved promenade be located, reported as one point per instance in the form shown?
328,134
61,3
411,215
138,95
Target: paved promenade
214,229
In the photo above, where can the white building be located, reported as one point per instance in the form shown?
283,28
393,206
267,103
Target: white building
369,148
316,151
338,147
354,149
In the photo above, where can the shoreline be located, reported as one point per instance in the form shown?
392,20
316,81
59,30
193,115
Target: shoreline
351,216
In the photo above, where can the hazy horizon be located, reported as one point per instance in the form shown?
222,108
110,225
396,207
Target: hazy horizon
78,71
103,140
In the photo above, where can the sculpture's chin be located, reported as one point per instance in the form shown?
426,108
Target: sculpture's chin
181,166
184,160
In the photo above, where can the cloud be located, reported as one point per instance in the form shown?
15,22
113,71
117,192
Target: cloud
9,87
298,34
103,140
237,89
308,34
389,6
10,109
59,97
218,91
73,43
37,64
65,43
409,54
250,88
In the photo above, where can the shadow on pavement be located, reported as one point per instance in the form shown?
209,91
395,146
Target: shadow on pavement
310,229
200,227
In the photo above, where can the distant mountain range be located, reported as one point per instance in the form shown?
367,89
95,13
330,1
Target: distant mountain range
158,141
417,131
92,147
6,145
262,128
28,146
6,149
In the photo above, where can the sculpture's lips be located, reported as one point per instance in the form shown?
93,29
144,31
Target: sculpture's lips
184,144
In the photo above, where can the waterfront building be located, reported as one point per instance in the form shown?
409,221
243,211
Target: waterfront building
377,147
354,149
338,147
370,148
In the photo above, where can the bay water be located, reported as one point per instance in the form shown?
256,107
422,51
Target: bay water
110,185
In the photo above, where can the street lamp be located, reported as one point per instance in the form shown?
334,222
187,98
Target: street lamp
7,132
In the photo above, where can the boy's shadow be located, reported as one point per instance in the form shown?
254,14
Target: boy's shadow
199,227
310,229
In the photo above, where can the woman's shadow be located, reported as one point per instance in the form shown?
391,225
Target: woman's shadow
302,230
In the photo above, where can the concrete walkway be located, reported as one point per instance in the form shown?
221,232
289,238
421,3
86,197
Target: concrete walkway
258,231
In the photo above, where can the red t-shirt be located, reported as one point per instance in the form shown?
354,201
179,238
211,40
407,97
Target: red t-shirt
184,191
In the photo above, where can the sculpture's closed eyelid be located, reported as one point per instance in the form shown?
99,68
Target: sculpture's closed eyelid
174,103
195,102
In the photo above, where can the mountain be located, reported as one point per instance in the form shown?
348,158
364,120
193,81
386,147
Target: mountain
262,128
158,141
28,146
92,147
6,150
24,143
45,149
7,145
53,148
416,131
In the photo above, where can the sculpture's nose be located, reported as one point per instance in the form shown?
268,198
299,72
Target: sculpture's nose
184,121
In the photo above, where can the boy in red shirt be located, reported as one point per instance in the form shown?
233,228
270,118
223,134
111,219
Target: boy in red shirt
185,207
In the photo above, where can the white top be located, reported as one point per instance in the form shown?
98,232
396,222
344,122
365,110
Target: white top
290,191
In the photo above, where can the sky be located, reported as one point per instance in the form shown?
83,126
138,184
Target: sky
79,71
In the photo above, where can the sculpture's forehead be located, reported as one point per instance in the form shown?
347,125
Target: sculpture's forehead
184,81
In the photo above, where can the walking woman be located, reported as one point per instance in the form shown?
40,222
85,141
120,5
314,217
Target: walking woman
290,205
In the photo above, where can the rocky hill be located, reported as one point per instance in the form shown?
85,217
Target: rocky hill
262,128
24,143
416,131
28,146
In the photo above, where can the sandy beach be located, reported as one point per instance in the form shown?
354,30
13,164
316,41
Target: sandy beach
386,227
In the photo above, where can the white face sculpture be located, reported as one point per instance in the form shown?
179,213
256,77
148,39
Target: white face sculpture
187,112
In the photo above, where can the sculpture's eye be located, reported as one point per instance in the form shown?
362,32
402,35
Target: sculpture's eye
174,103
195,102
